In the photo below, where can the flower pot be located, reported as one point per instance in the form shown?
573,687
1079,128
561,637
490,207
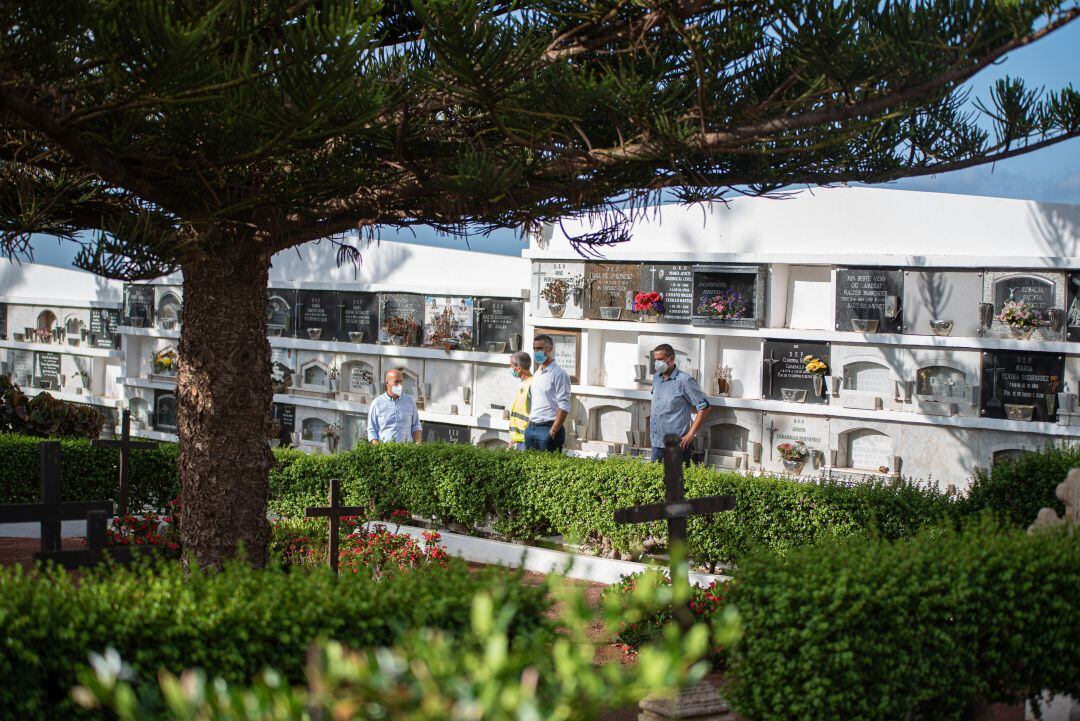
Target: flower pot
1066,401
648,317
356,336
794,466
1019,412
136,322
314,333
793,395
941,327
556,309
1020,332
168,323
864,325
723,387
819,385
275,331
496,346
610,312
1050,399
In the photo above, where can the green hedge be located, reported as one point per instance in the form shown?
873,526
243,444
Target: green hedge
1015,490
523,495
88,473
236,622
915,629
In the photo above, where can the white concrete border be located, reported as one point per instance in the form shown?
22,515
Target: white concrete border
540,560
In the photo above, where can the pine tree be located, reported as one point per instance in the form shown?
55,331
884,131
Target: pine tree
206,136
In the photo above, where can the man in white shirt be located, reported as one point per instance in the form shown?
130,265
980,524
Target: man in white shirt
550,399
393,417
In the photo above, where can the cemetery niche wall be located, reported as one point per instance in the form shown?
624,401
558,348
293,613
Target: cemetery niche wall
732,296
1043,292
500,324
1021,386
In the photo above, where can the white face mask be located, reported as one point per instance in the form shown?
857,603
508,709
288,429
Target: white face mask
396,390
661,367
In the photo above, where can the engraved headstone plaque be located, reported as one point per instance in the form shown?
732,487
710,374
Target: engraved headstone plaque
164,411
870,450
359,317
500,322
285,415
318,314
103,325
21,364
676,284
1073,317
48,370
139,304
729,295
445,433
1021,384
567,350
610,288
784,369
3,321
1033,289
400,305
868,300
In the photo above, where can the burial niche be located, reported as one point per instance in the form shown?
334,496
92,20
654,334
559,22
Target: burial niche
867,449
278,316
867,377
168,311
73,326
1006,455
728,439
358,377
313,430
46,321
943,383
353,429
315,376
492,443
140,412
610,424
165,412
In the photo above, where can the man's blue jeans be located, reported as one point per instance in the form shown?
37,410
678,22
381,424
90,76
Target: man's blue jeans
658,455
538,438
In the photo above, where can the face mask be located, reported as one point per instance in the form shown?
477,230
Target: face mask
661,367
539,356
396,390
514,372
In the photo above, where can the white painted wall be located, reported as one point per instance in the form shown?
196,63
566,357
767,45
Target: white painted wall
27,282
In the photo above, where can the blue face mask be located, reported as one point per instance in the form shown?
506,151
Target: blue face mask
514,372
539,356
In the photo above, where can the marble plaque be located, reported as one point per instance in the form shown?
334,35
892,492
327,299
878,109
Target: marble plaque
676,284
317,311
169,307
285,415
445,433
811,430
281,312
3,321
1033,289
139,304
942,295
359,377
869,294
868,377
500,324
870,450
1025,381
47,370
164,411
400,305
1043,290
448,320
21,365
729,295
103,325
942,383
610,288
359,314
783,367
543,274
567,350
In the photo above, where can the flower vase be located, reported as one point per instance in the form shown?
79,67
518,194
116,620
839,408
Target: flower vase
649,317
1020,332
819,385
794,466
1051,403
557,309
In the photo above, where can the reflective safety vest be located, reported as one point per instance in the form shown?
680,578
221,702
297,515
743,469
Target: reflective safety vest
519,412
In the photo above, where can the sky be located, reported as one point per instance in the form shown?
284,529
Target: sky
1048,175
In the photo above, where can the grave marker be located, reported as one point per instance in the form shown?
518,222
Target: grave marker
47,370
126,445
610,288
784,369
1025,383
335,512
139,305
103,325
676,284
359,315
3,321
500,322
318,314
869,296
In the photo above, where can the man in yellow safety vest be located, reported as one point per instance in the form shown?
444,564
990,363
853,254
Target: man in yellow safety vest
519,411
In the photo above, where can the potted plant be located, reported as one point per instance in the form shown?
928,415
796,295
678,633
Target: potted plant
166,362
650,305
611,311
399,330
724,304
794,456
332,436
333,379
1021,318
555,292
443,330
817,369
723,380
1053,385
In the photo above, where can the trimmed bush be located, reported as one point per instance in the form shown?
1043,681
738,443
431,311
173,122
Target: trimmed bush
236,622
1015,490
522,495
88,473
915,629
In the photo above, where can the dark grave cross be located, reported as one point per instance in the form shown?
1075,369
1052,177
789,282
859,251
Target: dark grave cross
51,510
97,546
125,444
770,361
675,510
335,512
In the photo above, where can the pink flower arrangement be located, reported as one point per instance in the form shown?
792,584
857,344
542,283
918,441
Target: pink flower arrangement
723,304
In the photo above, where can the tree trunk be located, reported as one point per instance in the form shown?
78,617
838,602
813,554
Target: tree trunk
224,398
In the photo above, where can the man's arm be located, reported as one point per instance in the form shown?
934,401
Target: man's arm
699,400
415,425
561,386
373,426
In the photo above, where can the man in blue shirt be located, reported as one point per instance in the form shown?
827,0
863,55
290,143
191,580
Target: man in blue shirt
675,397
393,417
550,399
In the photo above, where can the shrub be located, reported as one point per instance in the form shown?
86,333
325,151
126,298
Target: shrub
1015,490
235,622
43,415
88,473
914,629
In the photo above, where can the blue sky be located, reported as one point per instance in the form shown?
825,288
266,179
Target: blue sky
1050,175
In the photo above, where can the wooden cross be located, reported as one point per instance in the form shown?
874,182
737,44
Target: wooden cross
97,547
125,444
675,510
335,511
50,511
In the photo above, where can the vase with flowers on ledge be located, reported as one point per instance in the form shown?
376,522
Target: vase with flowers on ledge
649,305
1021,317
794,456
